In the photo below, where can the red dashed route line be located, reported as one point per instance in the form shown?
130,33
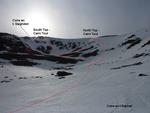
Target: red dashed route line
51,97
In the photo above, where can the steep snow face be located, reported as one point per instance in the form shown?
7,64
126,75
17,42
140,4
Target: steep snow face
45,48
111,76
54,46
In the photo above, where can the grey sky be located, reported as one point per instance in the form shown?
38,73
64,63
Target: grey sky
67,18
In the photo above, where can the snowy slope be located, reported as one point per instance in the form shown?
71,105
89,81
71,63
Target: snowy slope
113,80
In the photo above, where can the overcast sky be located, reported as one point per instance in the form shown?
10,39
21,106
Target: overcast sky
68,18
